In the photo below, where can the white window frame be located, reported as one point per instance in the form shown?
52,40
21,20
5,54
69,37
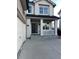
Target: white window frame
44,6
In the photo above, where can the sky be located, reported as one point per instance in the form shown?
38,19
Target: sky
58,6
56,1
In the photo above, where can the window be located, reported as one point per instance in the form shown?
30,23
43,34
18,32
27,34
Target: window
30,9
45,27
43,10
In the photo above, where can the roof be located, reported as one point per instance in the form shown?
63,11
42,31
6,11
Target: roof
43,16
51,2
59,12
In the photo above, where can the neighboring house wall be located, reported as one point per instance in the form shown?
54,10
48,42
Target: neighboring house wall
21,33
59,19
19,6
21,26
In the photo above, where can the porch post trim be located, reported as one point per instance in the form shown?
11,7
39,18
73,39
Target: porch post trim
28,25
55,24
41,22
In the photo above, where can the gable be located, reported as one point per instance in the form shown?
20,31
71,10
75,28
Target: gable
45,2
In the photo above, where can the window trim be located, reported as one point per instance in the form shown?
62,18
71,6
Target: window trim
44,6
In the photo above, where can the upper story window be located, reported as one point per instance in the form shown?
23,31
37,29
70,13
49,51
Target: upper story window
30,9
44,9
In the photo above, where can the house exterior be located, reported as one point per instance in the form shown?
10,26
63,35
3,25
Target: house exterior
59,13
21,23
40,18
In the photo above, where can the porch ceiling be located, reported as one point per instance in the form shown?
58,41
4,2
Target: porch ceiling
45,17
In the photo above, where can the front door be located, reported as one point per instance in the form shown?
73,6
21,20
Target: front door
34,28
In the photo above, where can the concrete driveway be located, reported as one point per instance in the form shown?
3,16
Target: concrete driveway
41,49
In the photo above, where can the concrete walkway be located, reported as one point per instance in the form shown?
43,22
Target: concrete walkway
41,49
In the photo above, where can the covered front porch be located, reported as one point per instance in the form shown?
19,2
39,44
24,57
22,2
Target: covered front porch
41,26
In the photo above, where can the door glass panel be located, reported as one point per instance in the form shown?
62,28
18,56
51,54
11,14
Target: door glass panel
34,28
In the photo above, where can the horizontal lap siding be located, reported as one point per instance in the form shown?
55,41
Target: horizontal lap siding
21,33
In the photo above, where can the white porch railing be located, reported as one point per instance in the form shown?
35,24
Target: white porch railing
48,32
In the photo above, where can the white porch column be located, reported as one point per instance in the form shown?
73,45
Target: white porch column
41,23
28,25
55,24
